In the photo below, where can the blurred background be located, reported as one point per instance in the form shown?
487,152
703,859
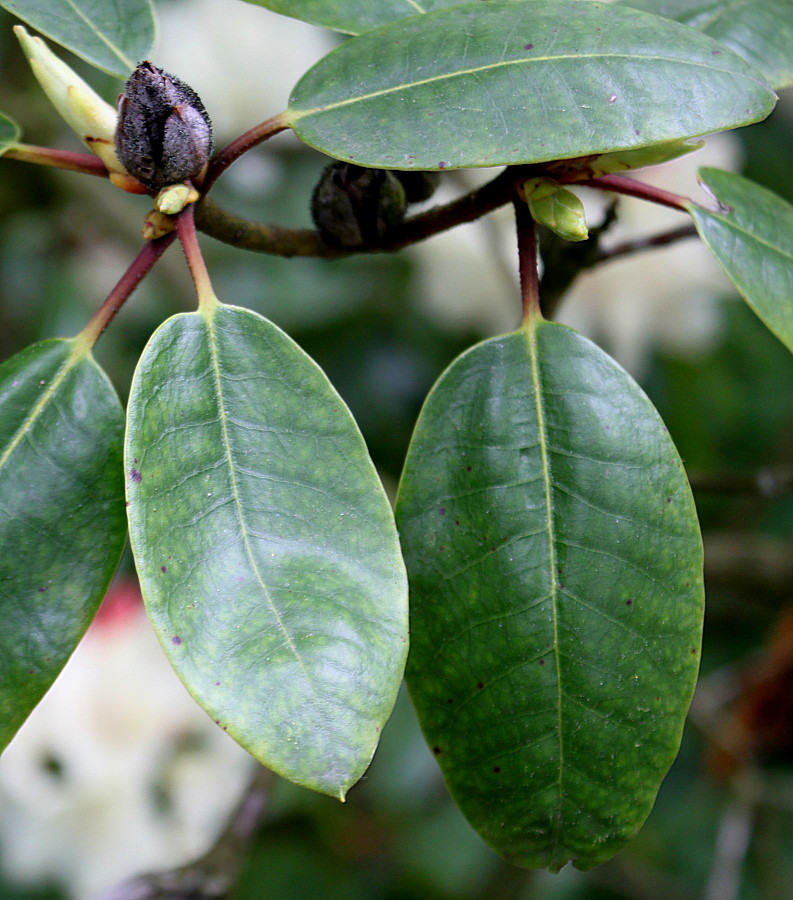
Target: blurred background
118,772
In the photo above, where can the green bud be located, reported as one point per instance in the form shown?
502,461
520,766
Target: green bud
173,199
81,107
353,206
556,207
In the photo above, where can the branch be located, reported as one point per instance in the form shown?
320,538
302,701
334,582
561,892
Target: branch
61,159
620,184
137,270
213,875
263,238
254,136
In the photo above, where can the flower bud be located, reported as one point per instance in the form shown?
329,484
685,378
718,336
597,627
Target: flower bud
81,107
556,207
419,186
353,206
164,135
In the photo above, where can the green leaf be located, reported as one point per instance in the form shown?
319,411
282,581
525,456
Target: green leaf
113,35
62,524
265,545
500,83
353,16
9,133
555,571
761,31
752,240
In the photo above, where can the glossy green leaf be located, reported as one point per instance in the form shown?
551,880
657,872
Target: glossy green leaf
9,133
265,545
555,571
62,525
499,83
752,240
353,16
761,31
113,35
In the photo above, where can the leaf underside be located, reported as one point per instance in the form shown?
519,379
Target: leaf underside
62,525
752,240
555,570
761,31
113,35
265,545
513,86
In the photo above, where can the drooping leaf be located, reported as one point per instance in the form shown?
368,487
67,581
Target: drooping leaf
62,525
761,31
752,240
113,35
9,133
265,545
555,571
487,84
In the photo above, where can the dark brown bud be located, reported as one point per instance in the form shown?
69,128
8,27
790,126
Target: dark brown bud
418,186
164,135
353,206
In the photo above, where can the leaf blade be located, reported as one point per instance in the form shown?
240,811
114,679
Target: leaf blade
550,678
112,35
514,88
752,241
62,525
761,31
284,608
9,133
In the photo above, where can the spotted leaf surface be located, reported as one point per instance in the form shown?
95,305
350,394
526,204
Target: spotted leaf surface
520,83
265,545
555,571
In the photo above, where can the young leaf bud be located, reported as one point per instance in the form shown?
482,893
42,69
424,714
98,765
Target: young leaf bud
352,206
81,107
556,207
164,135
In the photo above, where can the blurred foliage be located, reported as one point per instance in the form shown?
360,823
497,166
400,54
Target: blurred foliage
65,239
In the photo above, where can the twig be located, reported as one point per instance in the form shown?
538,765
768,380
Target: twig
254,136
646,243
213,875
61,159
138,268
263,238
621,184
527,260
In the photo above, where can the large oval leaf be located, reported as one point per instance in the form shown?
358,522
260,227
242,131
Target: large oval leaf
265,545
9,133
761,31
752,240
499,83
62,525
353,16
113,35
555,571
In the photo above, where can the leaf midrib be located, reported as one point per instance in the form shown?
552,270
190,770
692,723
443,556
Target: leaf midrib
296,114
209,318
542,438
78,352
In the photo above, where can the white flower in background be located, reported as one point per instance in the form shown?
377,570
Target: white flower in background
117,771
